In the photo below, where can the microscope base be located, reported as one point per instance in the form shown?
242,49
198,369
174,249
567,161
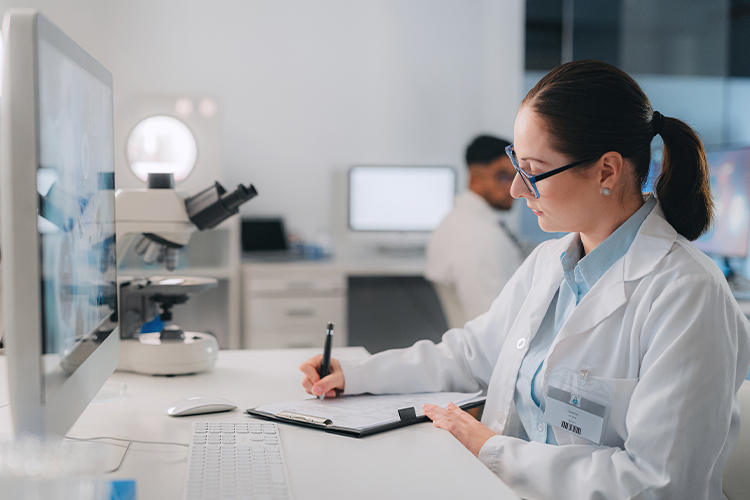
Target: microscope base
149,355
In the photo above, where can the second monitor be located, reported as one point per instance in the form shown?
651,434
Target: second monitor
399,199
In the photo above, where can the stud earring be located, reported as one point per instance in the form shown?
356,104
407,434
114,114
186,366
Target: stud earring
605,191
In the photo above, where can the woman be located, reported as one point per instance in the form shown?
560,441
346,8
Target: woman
623,321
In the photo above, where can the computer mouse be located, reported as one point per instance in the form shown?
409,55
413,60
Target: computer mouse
198,405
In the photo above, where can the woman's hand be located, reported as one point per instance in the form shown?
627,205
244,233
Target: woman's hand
330,385
468,430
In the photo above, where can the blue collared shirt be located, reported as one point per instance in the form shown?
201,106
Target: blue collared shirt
579,276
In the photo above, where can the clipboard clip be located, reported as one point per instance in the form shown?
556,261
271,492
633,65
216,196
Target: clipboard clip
299,417
407,414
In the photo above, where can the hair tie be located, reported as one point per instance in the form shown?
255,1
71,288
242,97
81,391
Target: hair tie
657,122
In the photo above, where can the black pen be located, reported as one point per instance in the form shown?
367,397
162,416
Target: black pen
326,364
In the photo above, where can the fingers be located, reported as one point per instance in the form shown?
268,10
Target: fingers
434,411
326,385
330,385
307,384
447,418
461,425
310,369
442,418
461,414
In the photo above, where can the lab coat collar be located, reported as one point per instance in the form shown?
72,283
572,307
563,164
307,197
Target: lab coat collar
469,200
546,283
651,245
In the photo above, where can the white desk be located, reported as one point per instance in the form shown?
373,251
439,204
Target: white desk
419,461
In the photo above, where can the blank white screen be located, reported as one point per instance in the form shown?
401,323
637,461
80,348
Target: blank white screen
400,198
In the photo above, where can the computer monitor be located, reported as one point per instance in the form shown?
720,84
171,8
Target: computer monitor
399,199
730,182
57,195
263,235
729,236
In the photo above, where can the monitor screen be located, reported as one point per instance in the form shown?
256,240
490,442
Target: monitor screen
730,181
75,184
58,231
263,235
391,198
729,171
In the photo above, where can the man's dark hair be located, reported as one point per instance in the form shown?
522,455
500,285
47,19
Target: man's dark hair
485,149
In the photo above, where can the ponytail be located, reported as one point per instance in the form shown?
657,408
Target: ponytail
683,187
591,107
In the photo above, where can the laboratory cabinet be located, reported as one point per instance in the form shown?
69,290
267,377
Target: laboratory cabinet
289,304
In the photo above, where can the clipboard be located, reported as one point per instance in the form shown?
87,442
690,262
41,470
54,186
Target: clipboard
402,417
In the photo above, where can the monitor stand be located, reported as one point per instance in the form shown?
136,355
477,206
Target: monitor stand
413,250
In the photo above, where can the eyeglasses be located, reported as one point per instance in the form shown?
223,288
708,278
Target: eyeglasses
531,180
505,177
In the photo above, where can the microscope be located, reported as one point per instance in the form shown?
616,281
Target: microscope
157,222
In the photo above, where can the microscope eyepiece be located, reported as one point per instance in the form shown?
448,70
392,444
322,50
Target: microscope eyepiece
213,205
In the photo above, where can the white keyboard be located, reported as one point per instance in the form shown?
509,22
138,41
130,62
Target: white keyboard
236,460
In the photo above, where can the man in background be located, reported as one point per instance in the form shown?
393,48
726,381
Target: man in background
471,255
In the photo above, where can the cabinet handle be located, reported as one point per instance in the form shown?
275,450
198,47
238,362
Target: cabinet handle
300,313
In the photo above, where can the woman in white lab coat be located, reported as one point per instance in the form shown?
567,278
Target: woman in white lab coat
613,357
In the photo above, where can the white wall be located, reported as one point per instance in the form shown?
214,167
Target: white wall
309,88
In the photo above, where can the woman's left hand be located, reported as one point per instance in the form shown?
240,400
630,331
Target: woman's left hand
470,432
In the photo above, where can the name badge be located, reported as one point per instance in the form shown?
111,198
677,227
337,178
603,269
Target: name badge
576,403
574,414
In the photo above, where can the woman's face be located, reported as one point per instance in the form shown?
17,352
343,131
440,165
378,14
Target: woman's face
568,201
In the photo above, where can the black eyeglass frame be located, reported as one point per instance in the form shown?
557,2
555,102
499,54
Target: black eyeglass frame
531,180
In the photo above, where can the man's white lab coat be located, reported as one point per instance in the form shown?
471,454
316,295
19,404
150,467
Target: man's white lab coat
471,253
662,331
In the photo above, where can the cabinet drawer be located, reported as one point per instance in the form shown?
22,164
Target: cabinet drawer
298,285
285,339
313,312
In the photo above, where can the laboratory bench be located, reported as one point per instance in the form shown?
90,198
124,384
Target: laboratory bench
418,461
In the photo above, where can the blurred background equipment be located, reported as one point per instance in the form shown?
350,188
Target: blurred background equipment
170,350
158,221
398,198
264,235
729,237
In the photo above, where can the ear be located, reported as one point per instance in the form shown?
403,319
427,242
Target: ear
477,177
611,169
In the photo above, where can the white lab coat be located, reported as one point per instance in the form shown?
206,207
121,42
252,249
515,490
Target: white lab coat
472,254
662,331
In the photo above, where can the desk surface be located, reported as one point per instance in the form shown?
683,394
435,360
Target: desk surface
419,461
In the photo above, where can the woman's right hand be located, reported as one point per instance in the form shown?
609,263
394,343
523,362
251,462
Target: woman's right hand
330,385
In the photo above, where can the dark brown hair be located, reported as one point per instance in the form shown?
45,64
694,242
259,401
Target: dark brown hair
591,108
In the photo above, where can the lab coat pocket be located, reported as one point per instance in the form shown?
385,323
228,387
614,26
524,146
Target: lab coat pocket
621,389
